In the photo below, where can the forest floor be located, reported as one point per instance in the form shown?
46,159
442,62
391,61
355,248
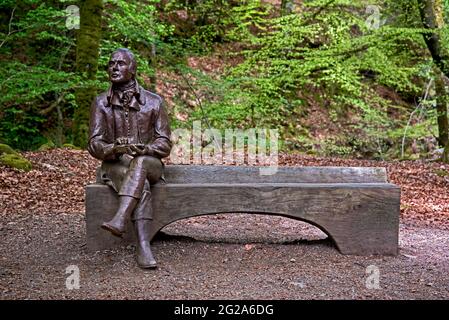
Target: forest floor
229,256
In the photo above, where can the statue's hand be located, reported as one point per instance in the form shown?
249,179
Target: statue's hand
121,140
121,146
121,149
137,150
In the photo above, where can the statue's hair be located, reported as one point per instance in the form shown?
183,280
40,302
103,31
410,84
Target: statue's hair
133,64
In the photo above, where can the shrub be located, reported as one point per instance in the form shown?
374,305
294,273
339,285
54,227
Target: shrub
15,161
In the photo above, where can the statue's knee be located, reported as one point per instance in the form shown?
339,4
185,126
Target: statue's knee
147,162
137,162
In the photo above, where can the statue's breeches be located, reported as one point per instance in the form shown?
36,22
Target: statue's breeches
133,178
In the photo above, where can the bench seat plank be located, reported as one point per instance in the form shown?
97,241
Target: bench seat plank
253,174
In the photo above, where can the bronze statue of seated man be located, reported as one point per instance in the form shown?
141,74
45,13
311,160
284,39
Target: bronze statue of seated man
130,133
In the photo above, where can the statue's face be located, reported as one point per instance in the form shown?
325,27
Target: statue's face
119,68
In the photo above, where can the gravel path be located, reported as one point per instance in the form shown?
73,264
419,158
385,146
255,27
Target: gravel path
233,256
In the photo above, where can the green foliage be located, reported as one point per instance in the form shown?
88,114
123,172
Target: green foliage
47,146
134,26
5,149
24,84
15,161
20,128
37,70
441,172
283,67
199,25
323,55
335,147
333,53
71,146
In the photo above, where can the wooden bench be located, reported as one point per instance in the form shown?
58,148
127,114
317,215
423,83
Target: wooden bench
356,207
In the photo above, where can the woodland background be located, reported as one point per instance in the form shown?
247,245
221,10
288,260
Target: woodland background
347,78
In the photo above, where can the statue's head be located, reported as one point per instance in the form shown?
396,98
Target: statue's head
122,66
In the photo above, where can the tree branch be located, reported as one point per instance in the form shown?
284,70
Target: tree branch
53,105
318,12
9,27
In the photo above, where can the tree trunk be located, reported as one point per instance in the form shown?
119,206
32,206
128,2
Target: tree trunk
287,7
442,98
152,64
432,17
87,53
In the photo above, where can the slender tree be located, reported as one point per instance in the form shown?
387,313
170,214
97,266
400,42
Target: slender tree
432,16
441,106
87,54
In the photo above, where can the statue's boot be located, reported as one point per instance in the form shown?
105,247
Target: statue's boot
117,225
144,256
